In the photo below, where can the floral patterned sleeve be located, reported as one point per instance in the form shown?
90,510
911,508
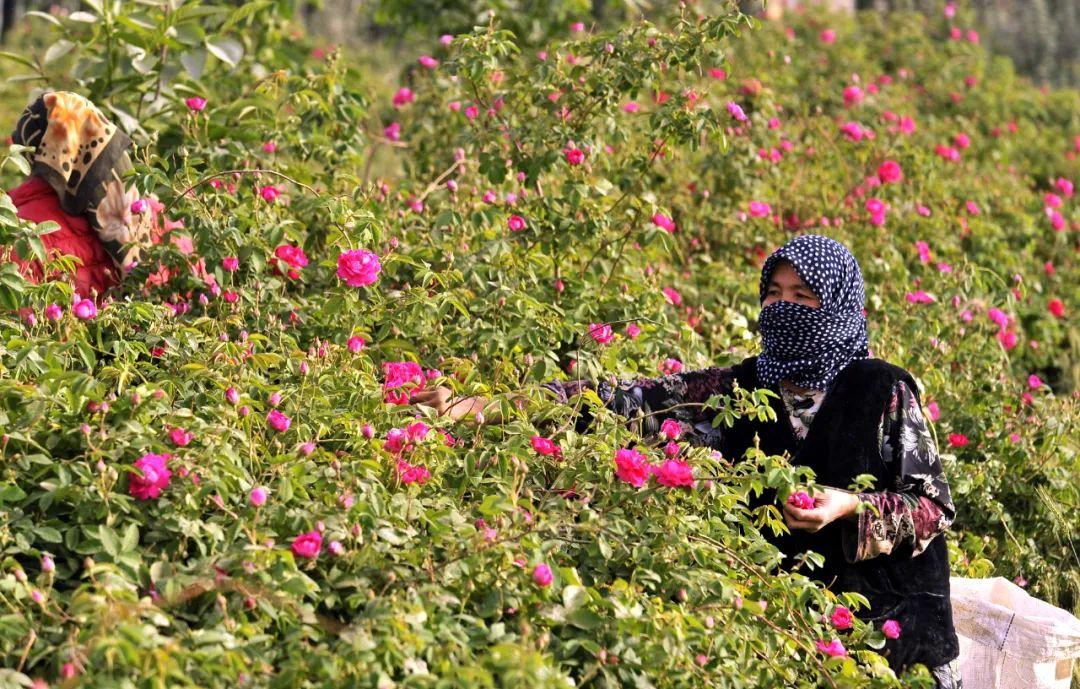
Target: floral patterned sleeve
680,396
920,506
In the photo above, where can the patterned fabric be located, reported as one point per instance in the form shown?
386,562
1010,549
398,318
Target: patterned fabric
948,676
919,505
902,520
82,156
807,345
801,406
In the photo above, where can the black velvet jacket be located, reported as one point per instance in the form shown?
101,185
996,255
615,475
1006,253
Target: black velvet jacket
841,444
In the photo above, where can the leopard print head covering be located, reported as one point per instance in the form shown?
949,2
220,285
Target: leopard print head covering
76,150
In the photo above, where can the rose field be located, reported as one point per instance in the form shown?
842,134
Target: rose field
214,477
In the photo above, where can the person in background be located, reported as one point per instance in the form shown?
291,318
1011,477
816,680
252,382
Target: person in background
838,411
76,170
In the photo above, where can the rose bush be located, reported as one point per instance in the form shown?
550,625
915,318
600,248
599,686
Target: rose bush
454,237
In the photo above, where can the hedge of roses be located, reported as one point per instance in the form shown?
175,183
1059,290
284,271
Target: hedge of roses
214,478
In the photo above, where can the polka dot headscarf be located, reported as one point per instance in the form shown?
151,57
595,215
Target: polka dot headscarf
802,344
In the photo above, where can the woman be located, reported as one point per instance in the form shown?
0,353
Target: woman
839,412
75,180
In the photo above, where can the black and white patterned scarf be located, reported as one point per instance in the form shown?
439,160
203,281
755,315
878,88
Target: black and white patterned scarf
806,345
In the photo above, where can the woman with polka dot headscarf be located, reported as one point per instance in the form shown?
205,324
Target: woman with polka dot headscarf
838,411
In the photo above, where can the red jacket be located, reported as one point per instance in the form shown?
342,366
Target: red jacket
36,201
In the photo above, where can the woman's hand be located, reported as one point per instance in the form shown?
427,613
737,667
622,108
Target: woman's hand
438,398
830,504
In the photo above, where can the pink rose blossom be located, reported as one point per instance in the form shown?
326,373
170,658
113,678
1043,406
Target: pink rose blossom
404,96
516,223
631,467
891,629
663,222
307,545
675,473
278,421
153,479
834,648
801,499
258,497
890,171
671,429
632,331
358,267
53,312
84,309
760,209
541,574
841,618
601,332
195,104
355,344
736,111
180,437
545,446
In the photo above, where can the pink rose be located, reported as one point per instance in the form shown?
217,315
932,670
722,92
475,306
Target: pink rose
632,331
355,344
180,437
1034,382
631,467
834,648
891,629
545,446
890,171
574,156
258,497
195,104
307,545
428,61
670,366
84,309
392,131
841,618
411,473
358,267
736,112
152,479
541,574
53,312
760,209
958,440
663,222
278,421
601,332
675,473
672,295
403,96
516,223
801,499
269,193
671,429
293,255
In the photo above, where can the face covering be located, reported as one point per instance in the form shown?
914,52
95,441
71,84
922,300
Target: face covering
809,346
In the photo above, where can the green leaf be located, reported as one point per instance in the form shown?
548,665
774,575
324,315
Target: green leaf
194,62
227,50
49,534
57,50
110,542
